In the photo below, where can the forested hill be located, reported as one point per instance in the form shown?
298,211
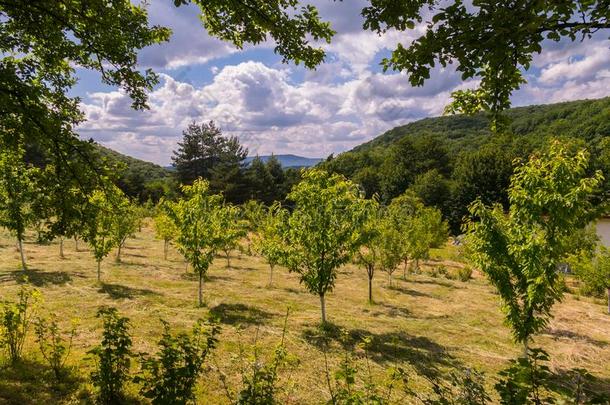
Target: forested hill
584,119
148,170
450,161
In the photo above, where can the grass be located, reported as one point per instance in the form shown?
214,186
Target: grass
428,325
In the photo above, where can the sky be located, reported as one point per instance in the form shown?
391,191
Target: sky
283,108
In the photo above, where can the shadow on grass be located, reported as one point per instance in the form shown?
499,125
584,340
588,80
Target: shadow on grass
557,334
565,381
443,283
30,382
393,311
234,314
408,291
423,354
118,291
40,278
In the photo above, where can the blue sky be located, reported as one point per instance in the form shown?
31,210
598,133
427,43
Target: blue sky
283,108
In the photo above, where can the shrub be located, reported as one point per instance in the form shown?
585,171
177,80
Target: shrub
55,348
438,271
526,380
260,378
15,318
462,387
170,376
113,356
464,273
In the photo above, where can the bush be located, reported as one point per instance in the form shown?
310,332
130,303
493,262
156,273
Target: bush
438,271
260,378
54,347
15,318
170,376
462,387
464,273
113,356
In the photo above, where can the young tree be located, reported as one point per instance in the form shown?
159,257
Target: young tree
165,229
16,195
594,272
99,229
254,212
268,240
550,198
391,247
369,255
125,224
200,231
324,230
233,229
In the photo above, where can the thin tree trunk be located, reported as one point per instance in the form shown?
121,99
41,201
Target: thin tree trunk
404,269
370,289
608,291
24,266
526,347
323,308
76,243
99,262
118,253
228,253
390,279
200,289
165,250
417,266
61,247
271,275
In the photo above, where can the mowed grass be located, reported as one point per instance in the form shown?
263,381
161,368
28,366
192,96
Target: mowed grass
427,325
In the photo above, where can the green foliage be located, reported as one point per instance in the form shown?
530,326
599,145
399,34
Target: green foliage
200,218
15,319
165,228
100,227
463,387
112,357
54,346
268,241
233,229
346,389
593,272
324,230
260,377
17,194
464,273
550,198
475,38
125,223
526,380
170,377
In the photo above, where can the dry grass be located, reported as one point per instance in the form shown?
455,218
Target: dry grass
428,325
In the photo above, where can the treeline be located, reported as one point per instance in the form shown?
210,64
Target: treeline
450,161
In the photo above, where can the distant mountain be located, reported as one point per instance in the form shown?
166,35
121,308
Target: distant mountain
290,160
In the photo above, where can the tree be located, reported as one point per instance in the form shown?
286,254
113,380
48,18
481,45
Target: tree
100,225
200,231
391,247
17,192
491,40
268,240
125,224
594,272
324,230
165,229
203,148
550,197
233,229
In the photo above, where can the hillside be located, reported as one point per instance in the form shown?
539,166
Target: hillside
150,171
583,119
450,161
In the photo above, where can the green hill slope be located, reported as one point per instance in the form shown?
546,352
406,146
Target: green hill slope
450,161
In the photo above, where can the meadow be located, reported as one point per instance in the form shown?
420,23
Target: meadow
428,325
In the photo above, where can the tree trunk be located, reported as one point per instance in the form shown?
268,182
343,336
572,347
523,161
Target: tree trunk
608,291
24,266
118,253
404,269
271,275
99,262
200,289
417,266
228,253
61,247
370,289
323,308
390,279
165,250
526,347
76,243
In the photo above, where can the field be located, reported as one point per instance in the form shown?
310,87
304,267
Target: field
428,325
